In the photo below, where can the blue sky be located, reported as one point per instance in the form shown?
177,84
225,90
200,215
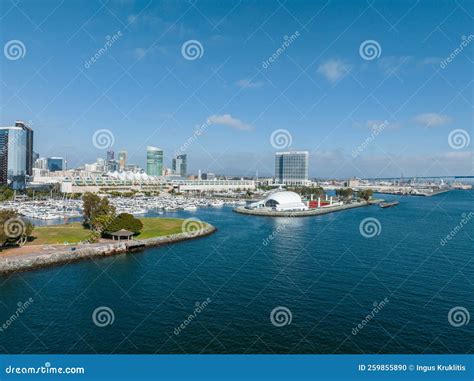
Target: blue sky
320,88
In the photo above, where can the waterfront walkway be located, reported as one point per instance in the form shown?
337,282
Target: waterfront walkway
34,256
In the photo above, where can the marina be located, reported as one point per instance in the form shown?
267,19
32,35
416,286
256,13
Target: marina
66,208
315,266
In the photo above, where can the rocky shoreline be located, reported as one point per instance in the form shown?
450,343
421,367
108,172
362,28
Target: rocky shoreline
53,257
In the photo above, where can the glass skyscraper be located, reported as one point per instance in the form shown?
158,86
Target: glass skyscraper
154,161
179,165
16,154
54,164
291,168
122,160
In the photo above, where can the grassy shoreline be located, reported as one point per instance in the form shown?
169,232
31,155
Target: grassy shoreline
74,232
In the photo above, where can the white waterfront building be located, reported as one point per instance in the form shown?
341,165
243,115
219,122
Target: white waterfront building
280,201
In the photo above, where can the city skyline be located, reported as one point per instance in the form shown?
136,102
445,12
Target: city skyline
357,114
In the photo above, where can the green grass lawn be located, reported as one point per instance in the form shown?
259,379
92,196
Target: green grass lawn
74,232
48,235
155,227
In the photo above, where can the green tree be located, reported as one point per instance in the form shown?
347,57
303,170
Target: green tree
95,206
345,193
125,221
366,194
14,230
6,193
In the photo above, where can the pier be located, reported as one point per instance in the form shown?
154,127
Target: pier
266,212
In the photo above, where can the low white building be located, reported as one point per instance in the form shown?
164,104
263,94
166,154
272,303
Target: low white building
280,201
215,185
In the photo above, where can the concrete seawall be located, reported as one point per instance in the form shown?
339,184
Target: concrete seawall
52,257
303,213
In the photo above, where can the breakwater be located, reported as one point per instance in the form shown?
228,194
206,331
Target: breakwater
303,213
51,257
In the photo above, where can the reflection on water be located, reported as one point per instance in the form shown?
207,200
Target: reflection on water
320,268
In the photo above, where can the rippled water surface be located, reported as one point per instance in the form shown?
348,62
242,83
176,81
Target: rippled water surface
321,269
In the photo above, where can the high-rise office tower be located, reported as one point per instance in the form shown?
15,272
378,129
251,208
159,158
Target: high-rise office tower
122,160
154,161
179,165
54,164
16,154
110,155
291,168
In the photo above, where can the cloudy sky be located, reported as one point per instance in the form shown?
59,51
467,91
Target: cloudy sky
369,88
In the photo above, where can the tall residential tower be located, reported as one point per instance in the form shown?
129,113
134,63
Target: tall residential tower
16,154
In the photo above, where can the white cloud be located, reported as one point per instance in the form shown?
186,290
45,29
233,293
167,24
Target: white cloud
228,120
248,84
139,53
430,61
431,119
334,69
393,65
